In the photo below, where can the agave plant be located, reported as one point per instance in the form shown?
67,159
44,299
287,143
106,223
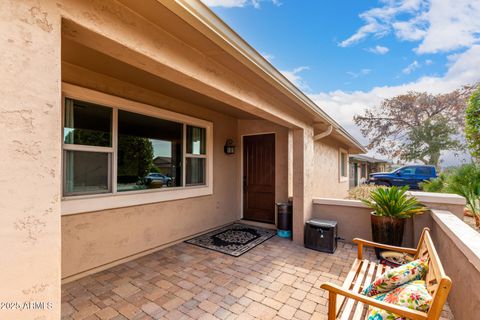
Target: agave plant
394,202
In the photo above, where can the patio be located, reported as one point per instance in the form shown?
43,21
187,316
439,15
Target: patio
277,279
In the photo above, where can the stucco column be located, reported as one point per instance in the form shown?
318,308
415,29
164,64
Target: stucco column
30,140
302,149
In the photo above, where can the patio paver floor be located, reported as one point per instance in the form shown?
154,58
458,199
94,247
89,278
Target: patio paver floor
276,280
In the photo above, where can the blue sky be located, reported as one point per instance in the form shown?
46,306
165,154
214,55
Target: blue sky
308,33
350,55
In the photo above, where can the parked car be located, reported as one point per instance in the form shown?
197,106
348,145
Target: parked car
405,176
158,178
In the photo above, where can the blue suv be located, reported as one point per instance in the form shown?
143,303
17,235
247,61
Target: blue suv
405,176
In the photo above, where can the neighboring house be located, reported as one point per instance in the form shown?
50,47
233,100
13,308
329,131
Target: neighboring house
90,88
361,166
164,165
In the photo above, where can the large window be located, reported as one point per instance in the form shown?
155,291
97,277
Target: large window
111,150
149,152
87,138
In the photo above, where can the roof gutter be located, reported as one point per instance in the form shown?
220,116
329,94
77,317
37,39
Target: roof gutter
323,134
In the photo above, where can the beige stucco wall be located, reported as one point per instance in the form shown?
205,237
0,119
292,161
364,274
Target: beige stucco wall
29,161
30,114
353,216
99,239
457,247
326,170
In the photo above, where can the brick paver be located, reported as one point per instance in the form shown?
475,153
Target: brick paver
276,280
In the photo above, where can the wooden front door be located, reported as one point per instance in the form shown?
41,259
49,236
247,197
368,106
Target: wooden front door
259,178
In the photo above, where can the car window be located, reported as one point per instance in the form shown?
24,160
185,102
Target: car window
407,171
424,171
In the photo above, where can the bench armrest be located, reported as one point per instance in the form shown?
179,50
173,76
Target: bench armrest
360,243
402,311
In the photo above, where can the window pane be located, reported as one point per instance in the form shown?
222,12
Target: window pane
195,171
196,140
407,171
342,164
87,124
149,152
86,172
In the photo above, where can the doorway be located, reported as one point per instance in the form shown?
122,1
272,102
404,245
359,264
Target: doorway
259,178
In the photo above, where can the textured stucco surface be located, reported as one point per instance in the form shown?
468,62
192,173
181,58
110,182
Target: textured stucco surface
94,239
464,296
30,119
326,170
30,161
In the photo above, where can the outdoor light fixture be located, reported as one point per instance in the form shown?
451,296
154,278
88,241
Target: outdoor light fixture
229,147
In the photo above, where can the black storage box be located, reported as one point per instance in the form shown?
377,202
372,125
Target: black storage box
321,235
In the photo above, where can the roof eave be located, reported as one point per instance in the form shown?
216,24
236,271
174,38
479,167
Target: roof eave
216,29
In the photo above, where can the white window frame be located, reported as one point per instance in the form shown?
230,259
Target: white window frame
343,178
74,204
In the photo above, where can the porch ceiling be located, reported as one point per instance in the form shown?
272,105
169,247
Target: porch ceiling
88,58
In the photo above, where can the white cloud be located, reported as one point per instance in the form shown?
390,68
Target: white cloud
452,24
342,105
411,67
362,72
428,62
238,3
294,77
378,50
378,21
439,26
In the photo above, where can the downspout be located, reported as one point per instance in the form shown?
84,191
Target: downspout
323,134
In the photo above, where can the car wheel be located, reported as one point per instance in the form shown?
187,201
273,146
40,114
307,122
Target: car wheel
169,183
383,183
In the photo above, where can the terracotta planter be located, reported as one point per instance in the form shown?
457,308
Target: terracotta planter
387,230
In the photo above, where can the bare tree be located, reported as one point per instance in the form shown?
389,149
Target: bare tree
404,124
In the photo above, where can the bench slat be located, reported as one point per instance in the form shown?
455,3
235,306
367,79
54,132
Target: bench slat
368,279
348,281
358,282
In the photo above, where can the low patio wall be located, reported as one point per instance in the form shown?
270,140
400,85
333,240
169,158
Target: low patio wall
458,246
353,216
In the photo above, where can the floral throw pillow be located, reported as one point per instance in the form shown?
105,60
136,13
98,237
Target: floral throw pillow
393,278
413,295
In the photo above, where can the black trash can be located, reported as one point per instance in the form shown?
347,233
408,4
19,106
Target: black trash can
284,219
321,235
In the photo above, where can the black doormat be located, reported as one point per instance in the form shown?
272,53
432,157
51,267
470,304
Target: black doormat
234,240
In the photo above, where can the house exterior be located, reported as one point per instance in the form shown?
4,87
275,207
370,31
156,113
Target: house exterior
361,166
95,93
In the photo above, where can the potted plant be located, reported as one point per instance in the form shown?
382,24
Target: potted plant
391,207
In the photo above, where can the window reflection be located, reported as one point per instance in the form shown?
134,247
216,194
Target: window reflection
149,152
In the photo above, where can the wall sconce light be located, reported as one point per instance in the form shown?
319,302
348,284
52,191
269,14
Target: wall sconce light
229,147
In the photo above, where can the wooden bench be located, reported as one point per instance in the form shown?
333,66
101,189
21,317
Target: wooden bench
346,302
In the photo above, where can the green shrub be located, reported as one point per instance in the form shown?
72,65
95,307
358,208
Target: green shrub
464,181
394,202
472,124
434,185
